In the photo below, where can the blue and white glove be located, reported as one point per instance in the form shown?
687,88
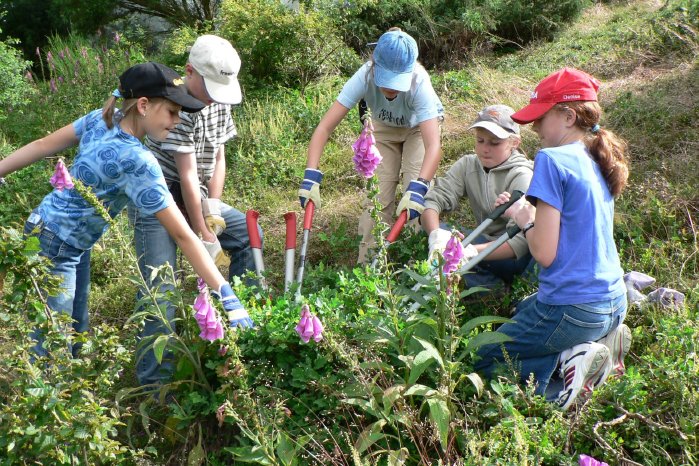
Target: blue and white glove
413,200
237,315
310,187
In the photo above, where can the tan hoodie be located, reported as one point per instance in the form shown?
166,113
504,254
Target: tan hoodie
467,179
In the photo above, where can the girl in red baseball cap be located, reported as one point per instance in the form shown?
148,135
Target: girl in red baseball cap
570,334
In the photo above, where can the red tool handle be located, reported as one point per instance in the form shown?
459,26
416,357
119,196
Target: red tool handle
397,227
290,218
251,217
308,216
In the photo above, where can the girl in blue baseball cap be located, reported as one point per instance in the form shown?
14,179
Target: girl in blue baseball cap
406,114
117,168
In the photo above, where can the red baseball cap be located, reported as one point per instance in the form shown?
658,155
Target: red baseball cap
566,85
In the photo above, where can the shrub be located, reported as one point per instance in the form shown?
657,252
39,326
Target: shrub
447,31
15,88
282,47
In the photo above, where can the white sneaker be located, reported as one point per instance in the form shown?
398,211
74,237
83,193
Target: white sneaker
583,367
618,341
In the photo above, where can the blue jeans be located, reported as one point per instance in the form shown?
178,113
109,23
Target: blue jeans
495,273
541,332
154,248
73,266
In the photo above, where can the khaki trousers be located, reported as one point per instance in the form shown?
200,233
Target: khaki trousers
403,151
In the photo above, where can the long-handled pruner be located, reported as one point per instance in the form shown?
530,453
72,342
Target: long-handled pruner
251,217
495,214
307,221
289,257
393,233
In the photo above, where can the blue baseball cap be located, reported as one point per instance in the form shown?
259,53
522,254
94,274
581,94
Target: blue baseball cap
395,56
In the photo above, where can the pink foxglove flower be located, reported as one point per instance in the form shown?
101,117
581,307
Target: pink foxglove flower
453,253
61,178
207,317
590,461
366,154
309,326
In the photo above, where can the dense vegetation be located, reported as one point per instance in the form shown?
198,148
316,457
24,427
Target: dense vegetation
385,385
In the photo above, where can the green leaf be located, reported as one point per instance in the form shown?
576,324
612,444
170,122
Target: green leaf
476,381
390,395
420,390
486,338
440,416
159,347
369,436
288,448
480,321
254,454
432,350
422,361
197,455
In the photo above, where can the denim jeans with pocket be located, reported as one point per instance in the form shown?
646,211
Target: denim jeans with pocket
72,265
541,332
154,248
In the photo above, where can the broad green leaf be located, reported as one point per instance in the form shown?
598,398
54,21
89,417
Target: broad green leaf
432,350
421,362
440,416
390,395
476,381
486,338
420,390
197,455
254,454
423,279
159,347
369,436
287,448
480,321
397,457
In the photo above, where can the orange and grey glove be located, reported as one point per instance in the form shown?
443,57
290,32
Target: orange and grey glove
214,249
211,209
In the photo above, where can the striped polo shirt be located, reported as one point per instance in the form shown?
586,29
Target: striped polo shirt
201,133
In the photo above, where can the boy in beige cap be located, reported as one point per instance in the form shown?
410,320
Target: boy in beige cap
497,166
193,161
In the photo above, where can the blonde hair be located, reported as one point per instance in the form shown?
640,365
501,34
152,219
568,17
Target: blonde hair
606,148
109,107
126,107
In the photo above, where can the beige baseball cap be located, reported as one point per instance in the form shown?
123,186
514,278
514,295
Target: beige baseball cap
218,62
497,119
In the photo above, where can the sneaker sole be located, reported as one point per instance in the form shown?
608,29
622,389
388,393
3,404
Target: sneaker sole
619,347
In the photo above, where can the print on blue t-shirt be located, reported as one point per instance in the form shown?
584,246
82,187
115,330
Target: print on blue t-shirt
117,168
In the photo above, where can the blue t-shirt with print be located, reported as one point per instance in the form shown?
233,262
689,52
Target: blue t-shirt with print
409,109
117,168
586,267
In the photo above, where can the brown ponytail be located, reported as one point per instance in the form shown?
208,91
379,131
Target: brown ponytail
109,107
606,148
108,111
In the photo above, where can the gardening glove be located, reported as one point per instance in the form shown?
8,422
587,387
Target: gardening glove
216,252
2,181
211,208
437,241
310,187
413,200
237,315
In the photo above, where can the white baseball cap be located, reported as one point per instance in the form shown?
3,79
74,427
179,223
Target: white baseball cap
218,62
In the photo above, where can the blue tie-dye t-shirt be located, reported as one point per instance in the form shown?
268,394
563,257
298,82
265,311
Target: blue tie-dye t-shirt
117,168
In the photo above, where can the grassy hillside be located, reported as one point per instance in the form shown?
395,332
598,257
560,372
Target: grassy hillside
345,400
